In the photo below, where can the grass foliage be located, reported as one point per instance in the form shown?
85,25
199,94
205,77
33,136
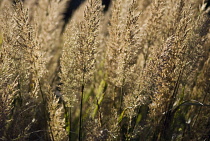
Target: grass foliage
140,71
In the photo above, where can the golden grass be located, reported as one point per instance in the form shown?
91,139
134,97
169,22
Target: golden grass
139,72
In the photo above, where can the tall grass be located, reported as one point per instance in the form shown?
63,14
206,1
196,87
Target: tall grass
141,71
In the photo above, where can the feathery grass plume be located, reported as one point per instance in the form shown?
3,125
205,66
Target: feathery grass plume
92,17
19,47
47,22
151,25
157,28
114,39
25,43
122,45
150,34
78,60
69,80
8,91
200,87
156,24
175,64
7,83
56,120
26,52
122,51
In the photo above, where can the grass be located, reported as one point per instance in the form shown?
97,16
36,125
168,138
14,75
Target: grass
140,71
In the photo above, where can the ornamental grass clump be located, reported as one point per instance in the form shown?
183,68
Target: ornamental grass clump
25,94
173,68
19,50
139,71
